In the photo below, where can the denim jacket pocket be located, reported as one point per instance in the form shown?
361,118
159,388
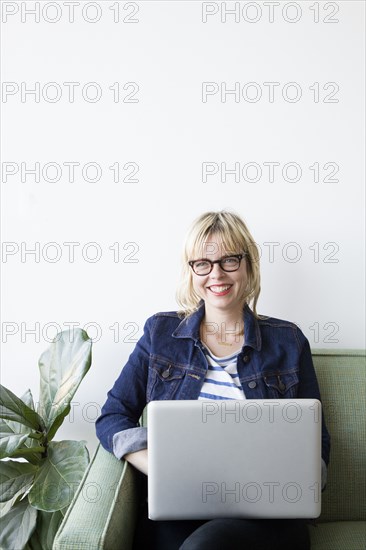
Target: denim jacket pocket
281,385
164,380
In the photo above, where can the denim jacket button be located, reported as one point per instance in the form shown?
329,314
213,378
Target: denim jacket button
252,384
246,358
166,373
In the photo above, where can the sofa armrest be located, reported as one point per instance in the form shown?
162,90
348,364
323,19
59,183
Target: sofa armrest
103,512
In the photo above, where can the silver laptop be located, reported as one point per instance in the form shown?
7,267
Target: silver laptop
234,459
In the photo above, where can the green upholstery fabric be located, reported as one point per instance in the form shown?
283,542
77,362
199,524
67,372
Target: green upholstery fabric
338,535
103,513
342,381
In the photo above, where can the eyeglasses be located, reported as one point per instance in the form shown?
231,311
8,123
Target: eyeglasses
227,263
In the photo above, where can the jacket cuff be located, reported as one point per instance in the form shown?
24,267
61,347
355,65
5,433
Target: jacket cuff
324,475
129,441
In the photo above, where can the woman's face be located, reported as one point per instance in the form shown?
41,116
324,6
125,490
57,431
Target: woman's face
220,289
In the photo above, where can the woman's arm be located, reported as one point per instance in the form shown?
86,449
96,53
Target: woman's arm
308,387
118,427
138,459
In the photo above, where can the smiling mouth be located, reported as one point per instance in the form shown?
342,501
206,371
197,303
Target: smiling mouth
218,289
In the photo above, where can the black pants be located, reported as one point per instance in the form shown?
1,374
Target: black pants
221,534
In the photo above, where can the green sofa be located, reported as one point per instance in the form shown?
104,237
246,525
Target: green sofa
103,513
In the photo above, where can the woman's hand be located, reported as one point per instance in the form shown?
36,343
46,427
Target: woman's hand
138,459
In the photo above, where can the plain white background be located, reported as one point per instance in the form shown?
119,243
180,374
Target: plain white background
127,235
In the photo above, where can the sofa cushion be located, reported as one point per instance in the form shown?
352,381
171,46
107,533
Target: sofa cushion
338,535
104,511
342,380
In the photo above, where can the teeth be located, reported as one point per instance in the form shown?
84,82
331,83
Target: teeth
219,288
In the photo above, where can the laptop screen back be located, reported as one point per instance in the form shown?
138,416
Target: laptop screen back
235,459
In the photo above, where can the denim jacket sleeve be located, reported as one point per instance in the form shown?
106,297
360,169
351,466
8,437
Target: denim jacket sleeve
308,387
118,427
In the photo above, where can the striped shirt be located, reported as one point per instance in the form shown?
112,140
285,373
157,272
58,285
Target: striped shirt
222,378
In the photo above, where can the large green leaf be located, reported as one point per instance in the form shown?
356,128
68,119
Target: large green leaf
57,423
14,409
28,400
15,427
13,477
62,367
27,397
5,506
17,526
10,442
15,437
18,443
59,475
46,529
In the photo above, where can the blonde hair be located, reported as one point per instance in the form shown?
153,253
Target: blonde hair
236,239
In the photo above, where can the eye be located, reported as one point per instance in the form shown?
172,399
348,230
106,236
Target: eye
201,264
230,260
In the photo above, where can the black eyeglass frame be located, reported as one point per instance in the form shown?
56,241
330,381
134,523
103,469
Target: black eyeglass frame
238,256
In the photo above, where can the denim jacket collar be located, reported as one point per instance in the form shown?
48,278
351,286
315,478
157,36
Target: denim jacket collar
190,327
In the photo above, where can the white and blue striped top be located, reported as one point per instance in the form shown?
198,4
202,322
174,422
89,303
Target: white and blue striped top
222,378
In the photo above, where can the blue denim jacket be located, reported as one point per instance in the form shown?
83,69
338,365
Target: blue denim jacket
169,362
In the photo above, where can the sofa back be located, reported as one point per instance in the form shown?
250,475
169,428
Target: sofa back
342,379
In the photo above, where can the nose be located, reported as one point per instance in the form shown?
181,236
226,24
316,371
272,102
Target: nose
217,272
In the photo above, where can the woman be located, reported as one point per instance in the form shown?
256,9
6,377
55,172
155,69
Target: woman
215,347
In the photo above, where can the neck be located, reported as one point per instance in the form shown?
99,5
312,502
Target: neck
217,315
220,321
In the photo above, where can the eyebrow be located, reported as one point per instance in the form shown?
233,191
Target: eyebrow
222,257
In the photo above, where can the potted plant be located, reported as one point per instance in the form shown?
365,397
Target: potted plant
36,490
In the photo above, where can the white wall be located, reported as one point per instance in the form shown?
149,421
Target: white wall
169,132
